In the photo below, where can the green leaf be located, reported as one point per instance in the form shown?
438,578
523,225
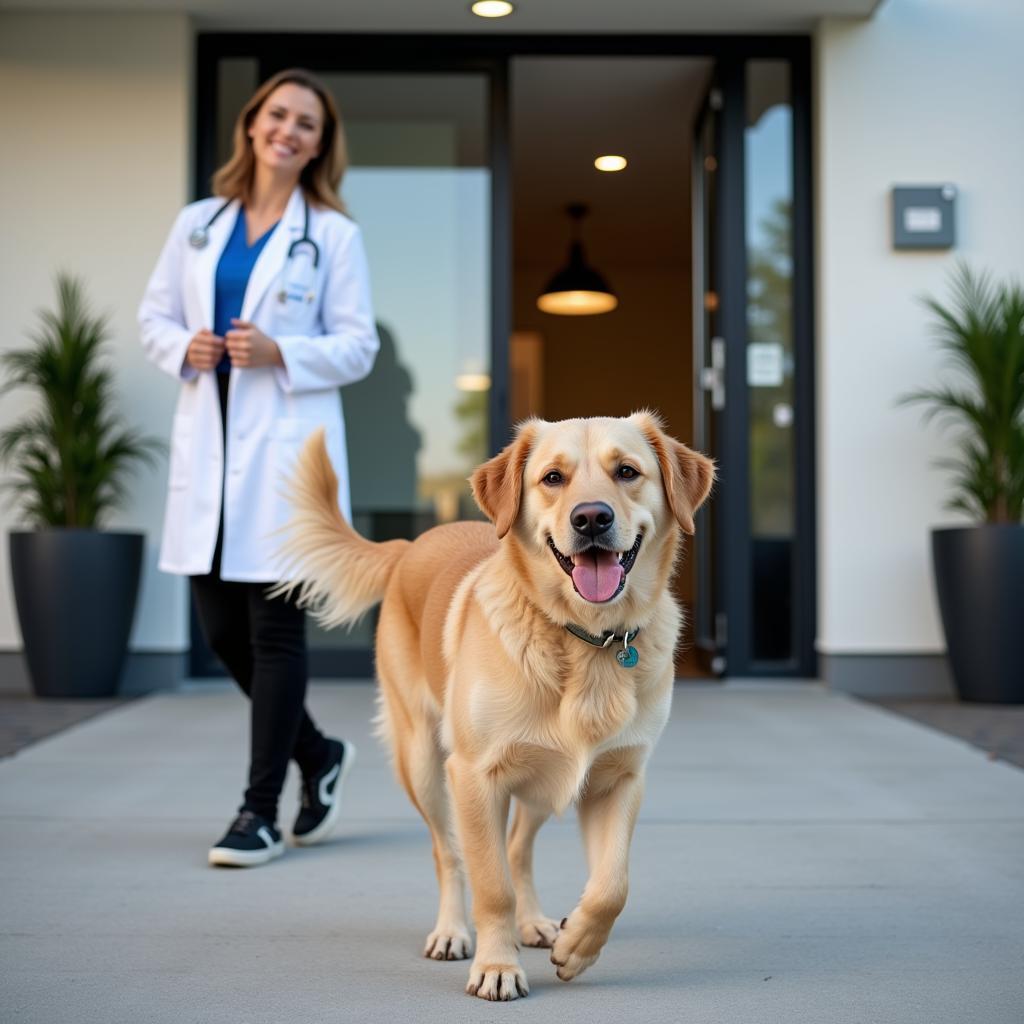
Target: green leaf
70,457
981,330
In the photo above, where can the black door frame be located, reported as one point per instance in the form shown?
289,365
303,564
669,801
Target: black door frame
491,55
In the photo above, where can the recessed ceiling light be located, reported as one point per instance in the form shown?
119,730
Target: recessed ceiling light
610,163
492,8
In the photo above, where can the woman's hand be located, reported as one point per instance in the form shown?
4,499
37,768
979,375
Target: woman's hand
204,350
249,347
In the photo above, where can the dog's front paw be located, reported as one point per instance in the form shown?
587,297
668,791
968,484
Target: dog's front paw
497,981
448,943
576,947
538,931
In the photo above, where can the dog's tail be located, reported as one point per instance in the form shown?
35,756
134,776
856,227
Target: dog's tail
338,574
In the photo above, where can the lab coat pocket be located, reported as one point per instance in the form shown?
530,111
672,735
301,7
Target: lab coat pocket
295,314
289,435
181,453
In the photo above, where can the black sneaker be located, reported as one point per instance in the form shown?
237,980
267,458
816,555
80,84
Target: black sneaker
249,840
321,796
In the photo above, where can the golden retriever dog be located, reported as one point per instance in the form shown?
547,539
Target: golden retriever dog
531,658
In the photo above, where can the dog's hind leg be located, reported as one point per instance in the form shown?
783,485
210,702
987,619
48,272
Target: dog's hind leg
450,938
535,928
408,721
419,765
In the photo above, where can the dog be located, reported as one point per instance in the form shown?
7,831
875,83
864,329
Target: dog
532,658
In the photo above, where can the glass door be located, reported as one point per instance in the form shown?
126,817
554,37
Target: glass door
753,347
419,186
423,146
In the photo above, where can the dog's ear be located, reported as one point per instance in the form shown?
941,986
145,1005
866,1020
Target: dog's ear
686,474
498,484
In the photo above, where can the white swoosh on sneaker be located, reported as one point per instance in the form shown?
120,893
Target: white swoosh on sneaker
331,801
326,796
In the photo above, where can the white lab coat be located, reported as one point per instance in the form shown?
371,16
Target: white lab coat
324,344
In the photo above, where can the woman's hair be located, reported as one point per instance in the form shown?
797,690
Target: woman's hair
320,178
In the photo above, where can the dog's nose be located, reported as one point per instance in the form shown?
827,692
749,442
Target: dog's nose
592,518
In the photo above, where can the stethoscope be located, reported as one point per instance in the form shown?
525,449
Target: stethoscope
200,238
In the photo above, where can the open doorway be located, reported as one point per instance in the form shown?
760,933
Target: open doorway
566,112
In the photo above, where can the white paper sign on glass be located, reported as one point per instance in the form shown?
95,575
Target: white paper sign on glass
765,364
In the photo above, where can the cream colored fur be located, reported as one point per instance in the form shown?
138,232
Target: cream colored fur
485,696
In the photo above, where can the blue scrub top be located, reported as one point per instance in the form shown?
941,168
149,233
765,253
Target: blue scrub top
232,278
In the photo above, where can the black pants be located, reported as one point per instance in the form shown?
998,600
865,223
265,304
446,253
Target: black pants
262,643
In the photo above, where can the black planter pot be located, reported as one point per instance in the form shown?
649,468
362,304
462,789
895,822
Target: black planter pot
979,574
75,591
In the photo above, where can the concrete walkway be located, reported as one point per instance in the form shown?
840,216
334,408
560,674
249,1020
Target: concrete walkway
800,857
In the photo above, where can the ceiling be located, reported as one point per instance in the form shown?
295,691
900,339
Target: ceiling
566,112
544,16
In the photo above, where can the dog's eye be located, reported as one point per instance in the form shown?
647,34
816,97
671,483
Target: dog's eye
626,473
552,479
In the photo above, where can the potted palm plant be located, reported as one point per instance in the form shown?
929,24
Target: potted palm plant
75,586
979,569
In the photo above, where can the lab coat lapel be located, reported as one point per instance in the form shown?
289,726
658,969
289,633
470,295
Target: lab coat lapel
208,257
275,254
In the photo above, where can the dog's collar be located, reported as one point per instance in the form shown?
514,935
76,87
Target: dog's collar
626,655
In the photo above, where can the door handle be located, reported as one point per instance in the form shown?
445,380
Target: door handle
712,378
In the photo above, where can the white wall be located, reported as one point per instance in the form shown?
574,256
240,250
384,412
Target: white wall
928,91
96,140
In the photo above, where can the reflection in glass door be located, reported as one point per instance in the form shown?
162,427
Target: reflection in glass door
770,356
419,186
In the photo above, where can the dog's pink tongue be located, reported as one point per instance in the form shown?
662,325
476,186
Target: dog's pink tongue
597,575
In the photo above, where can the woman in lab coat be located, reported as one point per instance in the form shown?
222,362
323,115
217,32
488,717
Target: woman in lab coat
260,306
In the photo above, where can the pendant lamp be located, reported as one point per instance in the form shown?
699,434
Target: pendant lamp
577,289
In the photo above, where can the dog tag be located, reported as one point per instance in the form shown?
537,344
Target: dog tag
627,656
